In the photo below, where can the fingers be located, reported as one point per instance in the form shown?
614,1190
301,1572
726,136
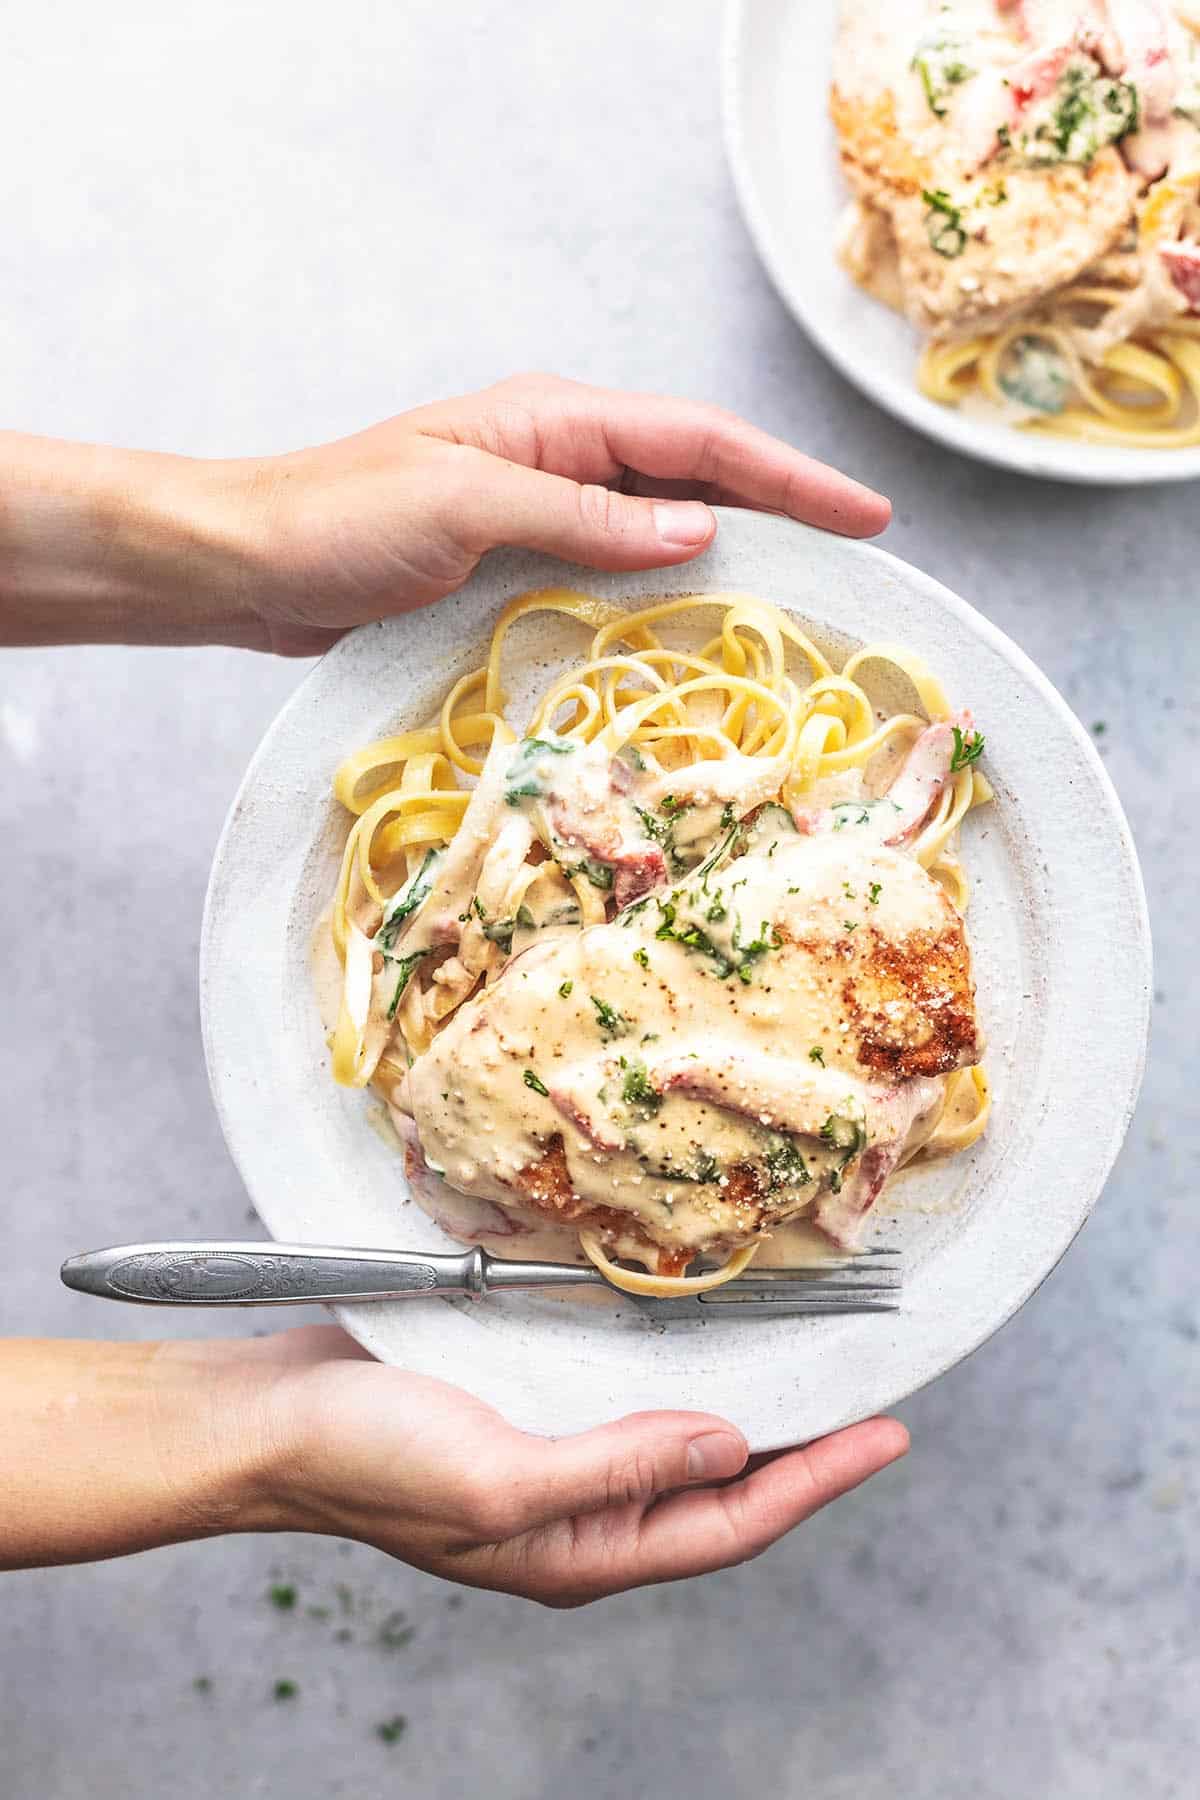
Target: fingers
692,1534
593,434
625,1464
687,1534
495,502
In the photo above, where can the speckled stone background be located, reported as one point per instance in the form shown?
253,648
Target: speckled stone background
239,227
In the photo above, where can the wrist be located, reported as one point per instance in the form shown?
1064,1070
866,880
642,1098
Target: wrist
220,1450
118,546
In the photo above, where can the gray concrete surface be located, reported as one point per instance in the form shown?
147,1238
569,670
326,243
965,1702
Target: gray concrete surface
243,226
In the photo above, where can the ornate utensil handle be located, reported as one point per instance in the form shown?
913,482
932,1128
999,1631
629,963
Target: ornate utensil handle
209,1274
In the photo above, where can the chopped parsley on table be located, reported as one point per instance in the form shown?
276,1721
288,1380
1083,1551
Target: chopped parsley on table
532,1081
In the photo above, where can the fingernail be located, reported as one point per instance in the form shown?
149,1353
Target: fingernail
715,1454
681,522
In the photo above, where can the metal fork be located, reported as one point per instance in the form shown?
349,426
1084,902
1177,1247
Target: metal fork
235,1274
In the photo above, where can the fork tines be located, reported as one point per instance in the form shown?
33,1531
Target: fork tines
863,1281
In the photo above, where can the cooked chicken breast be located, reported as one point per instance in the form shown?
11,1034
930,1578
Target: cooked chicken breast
981,143
765,1036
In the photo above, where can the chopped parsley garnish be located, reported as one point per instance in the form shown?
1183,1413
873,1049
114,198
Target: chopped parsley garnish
500,931
703,1167
744,955
612,1023
1099,728
658,830
995,196
938,61
874,891
565,989
642,957
967,750
1091,111
283,1596
849,925
849,891
285,1690
847,1134
523,779
717,911
785,1165
817,1055
400,907
532,1081
853,812
943,223
768,939
661,830
477,904
392,1730
598,873
523,790
1035,373
404,966
526,918
637,1089
718,855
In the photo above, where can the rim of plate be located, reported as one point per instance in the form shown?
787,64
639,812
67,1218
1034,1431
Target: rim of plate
1044,458
555,1371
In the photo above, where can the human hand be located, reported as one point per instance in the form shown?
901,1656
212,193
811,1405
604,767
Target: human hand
437,1478
285,553
399,515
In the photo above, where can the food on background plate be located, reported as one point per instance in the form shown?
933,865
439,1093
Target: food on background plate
687,962
1026,189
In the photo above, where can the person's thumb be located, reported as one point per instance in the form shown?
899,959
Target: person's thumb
629,1462
579,521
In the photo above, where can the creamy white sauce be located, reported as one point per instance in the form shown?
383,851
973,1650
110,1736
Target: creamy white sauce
589,1040
717,1059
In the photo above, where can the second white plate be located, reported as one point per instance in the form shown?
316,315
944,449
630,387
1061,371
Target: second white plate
777,60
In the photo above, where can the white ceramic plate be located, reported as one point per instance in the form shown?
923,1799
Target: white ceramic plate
1062,954
777,60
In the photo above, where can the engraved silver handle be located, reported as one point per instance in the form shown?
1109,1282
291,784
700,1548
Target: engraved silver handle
232,1274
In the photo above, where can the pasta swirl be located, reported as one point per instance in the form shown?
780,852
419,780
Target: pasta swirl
439,876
